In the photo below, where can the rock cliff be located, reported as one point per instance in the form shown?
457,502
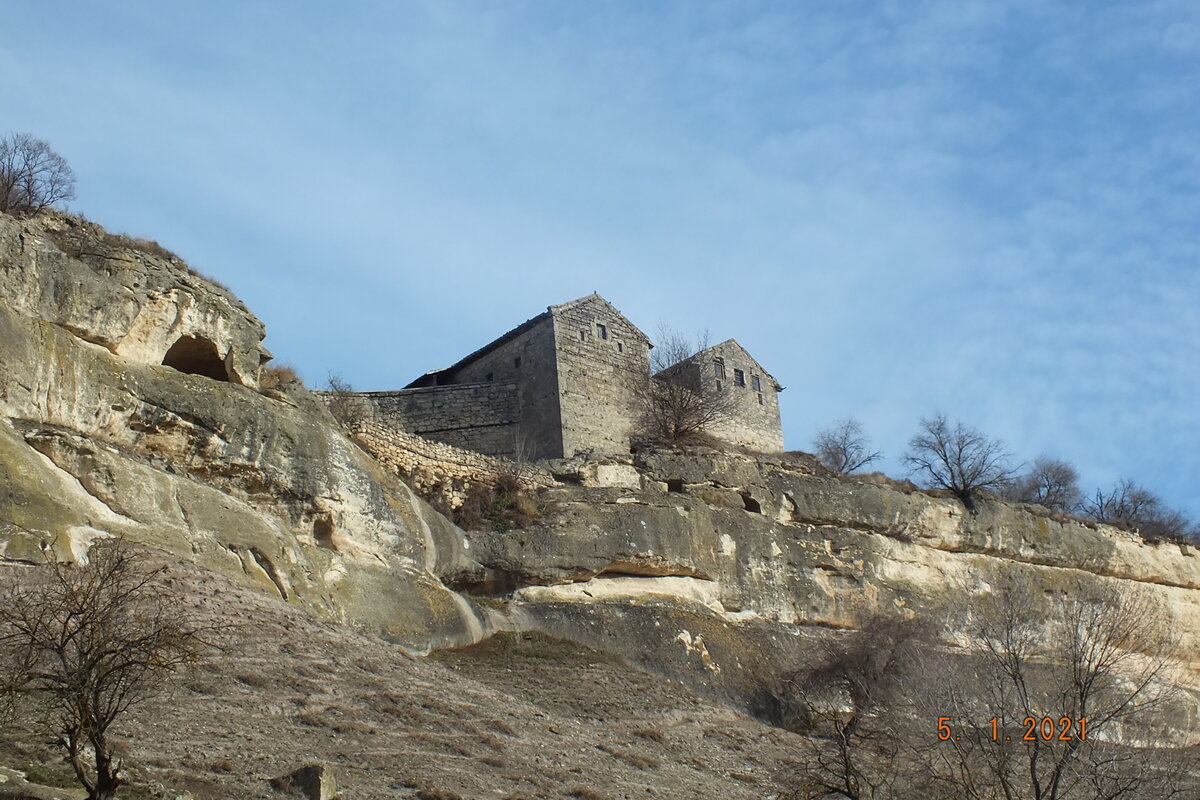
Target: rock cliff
130,405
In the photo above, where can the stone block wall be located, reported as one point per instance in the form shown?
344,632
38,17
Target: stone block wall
482,417
603,362
528,361
754,419
437,470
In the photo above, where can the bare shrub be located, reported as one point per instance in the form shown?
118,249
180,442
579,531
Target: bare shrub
1101,659
852,703
32,175
1134,508
505,503
81,645
276,376
844,448
345,407
959,459
891,715
1050,483
681,402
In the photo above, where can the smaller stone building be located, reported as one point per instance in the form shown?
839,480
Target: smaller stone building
567,381
750,393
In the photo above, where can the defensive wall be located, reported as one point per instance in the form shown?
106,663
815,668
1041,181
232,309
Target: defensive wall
438,470
483,417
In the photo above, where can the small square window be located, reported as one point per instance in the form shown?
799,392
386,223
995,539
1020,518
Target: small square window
719,368
601,331
755,383
739,378
517,362
489,377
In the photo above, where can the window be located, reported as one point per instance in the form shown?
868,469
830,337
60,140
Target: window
583,336
489,377
620,347
739,378
755,383
718,386
601,331
760,400
517,362
719,368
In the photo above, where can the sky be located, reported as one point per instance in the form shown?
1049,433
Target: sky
984,209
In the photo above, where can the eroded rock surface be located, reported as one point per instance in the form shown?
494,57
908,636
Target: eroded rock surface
99,438
723,569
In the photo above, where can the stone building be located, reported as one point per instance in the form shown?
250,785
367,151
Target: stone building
566,381
752,413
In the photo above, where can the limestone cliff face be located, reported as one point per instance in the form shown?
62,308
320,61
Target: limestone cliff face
99,437
720,569
129,406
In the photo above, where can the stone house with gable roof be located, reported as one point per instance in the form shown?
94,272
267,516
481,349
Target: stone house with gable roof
566,381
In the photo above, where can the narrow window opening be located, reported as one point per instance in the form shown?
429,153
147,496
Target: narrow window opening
583,336
675,485
620,347
718,386
756,383
601,331
760,400
517,363
489,377
719,368
739,378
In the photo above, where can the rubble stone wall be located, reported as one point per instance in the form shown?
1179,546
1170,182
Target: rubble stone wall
439,470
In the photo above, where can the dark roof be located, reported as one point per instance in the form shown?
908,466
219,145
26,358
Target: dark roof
430,378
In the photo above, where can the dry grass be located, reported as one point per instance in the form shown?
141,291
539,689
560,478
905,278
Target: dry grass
508,503
275,376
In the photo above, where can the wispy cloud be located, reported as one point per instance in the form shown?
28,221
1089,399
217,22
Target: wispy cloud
983,208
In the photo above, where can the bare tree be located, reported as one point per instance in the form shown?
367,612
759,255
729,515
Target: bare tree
32,176
853,705
684,399
1135,508
958,458
1037,714
345,407
1051,483
844,448
80,645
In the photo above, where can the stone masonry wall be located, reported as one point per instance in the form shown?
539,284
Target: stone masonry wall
754,421
527,360
477,416
438,470
598,377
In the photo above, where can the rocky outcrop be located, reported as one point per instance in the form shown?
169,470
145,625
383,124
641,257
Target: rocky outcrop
99,438
128,407
722,569
128,296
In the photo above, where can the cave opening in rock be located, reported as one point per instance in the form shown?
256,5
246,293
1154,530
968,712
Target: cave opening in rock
675,485
196,355
751,504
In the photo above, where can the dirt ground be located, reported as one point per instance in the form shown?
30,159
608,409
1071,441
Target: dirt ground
518,716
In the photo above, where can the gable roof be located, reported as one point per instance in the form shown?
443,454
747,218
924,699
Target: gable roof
715,351
595,298
431,378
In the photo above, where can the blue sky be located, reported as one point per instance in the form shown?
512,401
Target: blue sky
988,209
